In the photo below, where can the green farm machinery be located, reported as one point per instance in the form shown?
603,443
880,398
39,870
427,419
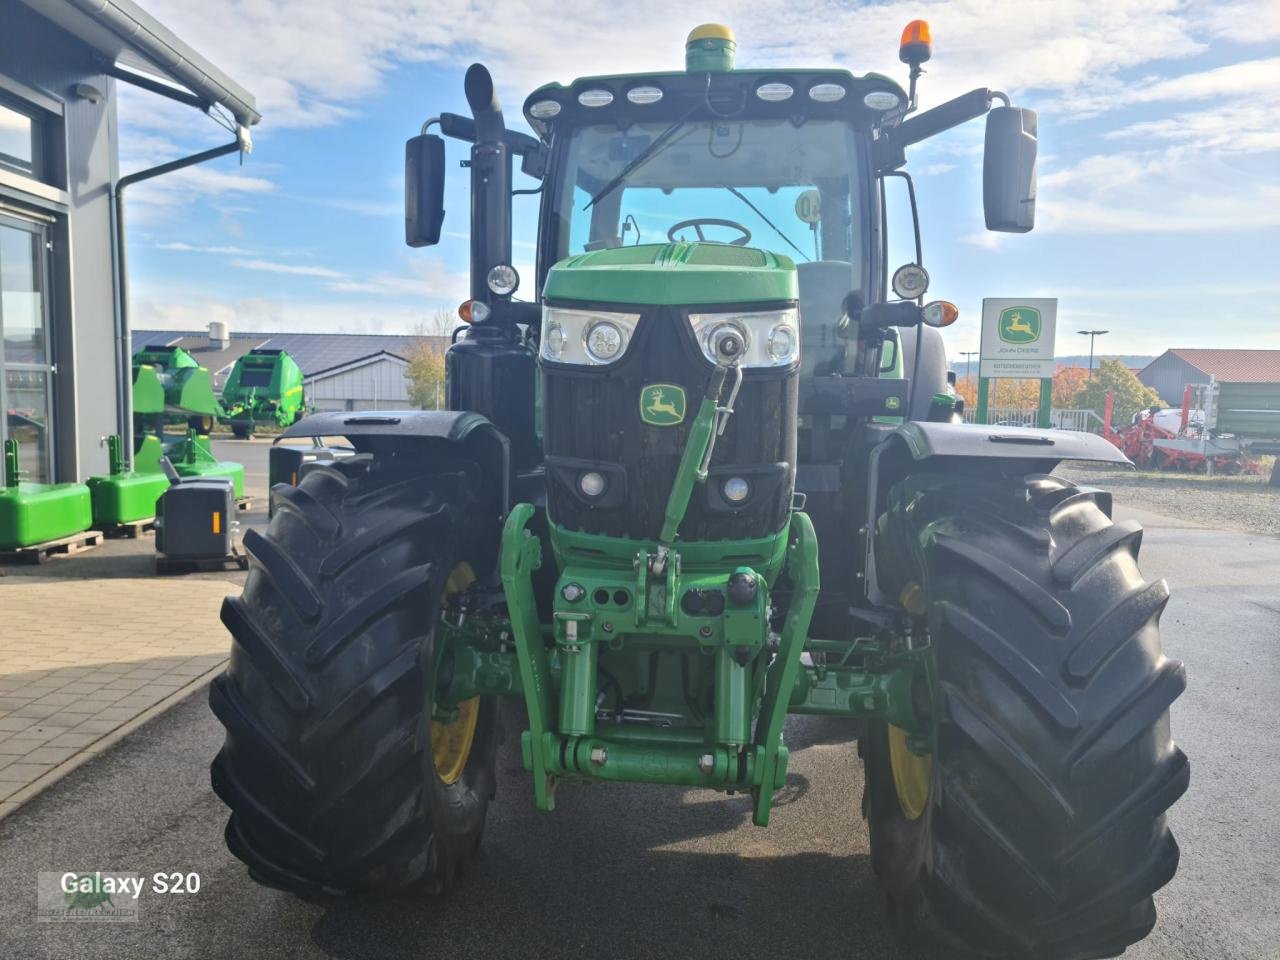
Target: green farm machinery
169,387
706,472
37,513
265,386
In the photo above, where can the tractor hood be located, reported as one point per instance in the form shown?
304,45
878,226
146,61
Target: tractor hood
674,274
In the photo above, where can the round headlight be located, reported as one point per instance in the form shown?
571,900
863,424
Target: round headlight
774,92
727,342
595,98
881,100
603,341
910,281
736,489
544,109
643,95
591,484
826,92
553,340
782,342
503,279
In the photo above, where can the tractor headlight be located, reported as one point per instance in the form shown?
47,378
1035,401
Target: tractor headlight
503,279
586,337
771,338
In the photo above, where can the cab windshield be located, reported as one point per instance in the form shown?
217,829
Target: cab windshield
785,186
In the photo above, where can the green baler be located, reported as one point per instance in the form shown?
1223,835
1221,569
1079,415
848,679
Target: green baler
265,386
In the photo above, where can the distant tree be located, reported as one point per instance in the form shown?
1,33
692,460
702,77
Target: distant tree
1131,395
425,372
1066,385
1014,394
967,387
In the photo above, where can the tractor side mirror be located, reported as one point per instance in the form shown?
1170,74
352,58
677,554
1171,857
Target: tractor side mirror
1009,170
423,190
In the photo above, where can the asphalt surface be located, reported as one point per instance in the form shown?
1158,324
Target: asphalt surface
622,872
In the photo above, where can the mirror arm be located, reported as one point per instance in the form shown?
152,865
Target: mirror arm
464,128
962,109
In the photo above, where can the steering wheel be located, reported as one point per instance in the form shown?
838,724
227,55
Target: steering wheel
699,222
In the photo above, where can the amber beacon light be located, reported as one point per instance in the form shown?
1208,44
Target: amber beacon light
916,45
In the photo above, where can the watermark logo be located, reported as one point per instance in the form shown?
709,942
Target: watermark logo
88,897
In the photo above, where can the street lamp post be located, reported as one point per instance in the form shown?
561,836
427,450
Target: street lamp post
967,354
1091,334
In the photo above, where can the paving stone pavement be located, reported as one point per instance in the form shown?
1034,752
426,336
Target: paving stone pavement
83,662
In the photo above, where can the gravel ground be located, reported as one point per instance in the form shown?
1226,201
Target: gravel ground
1247,503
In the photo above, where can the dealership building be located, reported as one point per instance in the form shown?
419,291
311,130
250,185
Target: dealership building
65,356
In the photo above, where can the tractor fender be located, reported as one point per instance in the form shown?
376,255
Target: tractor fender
382,431
919,446
925,439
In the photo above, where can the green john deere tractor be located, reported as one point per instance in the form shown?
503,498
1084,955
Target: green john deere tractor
708,473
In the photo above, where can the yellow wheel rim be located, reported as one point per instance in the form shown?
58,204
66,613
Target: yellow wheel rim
451,742
912,774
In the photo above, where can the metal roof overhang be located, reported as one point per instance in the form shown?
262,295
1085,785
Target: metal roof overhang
132,39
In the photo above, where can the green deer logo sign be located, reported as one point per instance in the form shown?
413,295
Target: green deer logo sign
662,404
1020,325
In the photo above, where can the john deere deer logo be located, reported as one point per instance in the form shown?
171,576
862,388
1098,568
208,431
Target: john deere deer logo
662,404
1020,325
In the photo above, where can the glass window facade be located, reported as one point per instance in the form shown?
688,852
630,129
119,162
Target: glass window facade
25,350
19,140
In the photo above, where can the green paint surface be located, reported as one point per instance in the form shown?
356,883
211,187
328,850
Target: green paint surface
674,274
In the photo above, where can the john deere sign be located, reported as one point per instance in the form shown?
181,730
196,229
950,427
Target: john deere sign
1020,325
1017,338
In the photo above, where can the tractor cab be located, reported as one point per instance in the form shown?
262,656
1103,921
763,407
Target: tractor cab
772,160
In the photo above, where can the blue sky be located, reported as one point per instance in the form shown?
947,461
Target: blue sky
1159,204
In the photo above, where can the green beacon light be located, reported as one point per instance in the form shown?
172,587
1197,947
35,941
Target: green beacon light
710,49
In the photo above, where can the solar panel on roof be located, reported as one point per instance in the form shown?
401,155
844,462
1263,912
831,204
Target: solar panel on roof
312,351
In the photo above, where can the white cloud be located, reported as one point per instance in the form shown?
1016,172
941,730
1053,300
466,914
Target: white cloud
183,247
986,239
314,68
168,310
1248,21
289,269
424,278
933,169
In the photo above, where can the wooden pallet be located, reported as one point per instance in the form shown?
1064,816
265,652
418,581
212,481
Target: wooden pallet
131,530
234,561
64,546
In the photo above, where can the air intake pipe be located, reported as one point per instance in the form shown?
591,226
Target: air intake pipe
490,183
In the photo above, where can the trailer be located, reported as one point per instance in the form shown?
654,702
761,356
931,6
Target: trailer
1238,422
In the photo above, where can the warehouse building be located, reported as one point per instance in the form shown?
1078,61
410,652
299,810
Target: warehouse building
1169,373
65,372
341,371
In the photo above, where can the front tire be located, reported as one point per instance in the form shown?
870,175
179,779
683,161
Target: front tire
1043,833
328,765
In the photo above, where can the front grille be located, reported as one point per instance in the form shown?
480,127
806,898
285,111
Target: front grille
592,416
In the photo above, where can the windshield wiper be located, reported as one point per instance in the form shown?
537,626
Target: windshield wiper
658,143
741,196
